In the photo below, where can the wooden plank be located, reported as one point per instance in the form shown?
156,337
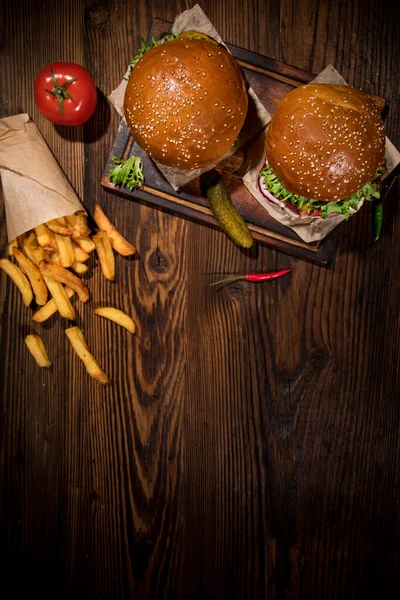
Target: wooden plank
248,445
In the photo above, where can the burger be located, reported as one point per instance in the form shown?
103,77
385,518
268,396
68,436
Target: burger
325,149
186,101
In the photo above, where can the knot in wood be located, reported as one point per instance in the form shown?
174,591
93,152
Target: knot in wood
97,15
158,262
238,290
319,357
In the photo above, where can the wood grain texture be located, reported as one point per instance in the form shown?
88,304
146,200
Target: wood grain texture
248,445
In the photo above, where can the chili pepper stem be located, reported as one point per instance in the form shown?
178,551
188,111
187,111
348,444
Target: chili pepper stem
229,279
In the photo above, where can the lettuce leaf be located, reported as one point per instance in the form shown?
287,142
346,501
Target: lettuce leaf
127,172
369,192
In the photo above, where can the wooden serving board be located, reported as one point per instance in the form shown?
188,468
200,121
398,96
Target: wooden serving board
270,80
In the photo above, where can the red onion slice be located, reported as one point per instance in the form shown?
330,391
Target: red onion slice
265,192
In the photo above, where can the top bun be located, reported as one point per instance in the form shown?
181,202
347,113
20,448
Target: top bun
325,142
186,102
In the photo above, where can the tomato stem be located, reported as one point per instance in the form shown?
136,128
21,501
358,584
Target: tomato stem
60,91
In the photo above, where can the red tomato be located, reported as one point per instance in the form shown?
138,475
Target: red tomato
65,93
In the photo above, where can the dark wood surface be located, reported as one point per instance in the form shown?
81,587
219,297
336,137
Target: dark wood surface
248,446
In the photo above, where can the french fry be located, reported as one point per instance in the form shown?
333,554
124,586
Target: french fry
37,348
62,275
32,272
60,297
54,258
106,254
86,243
65,250
29,246
13,244
81,225
79,268
46,311
116,315
79,253
45,238
118,242
59,226
20,280
78,342
78,223
32,249
20,240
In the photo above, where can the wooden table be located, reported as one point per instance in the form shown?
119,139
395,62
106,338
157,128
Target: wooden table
248,446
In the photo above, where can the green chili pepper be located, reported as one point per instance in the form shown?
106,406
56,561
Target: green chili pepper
377,212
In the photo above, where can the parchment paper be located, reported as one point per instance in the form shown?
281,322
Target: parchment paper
257,116
310,229
35,188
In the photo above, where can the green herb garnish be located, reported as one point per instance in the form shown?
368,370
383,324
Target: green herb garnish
193,35
369,192
127,172
147,46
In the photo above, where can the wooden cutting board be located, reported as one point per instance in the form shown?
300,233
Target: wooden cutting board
270,80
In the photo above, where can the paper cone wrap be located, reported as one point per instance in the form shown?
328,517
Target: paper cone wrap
35,188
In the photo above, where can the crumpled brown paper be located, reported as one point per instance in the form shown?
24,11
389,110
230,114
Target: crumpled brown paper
35,188
310,229
257,116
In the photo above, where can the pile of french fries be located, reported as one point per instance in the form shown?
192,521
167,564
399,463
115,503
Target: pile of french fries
49,262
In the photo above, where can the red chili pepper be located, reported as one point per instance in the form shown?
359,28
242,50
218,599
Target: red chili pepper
254,277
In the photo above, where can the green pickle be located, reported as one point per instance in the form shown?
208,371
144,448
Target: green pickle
227,215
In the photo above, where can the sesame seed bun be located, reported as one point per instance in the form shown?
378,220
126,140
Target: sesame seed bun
325,141
186,102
